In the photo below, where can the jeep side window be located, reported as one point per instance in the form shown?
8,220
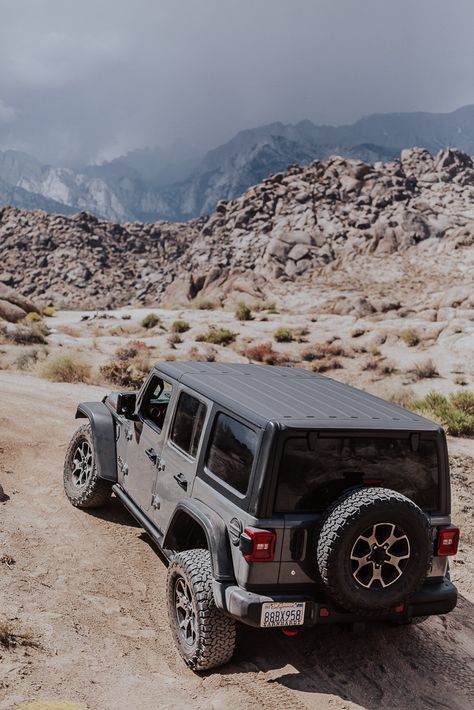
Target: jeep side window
156,401
231,452
188,422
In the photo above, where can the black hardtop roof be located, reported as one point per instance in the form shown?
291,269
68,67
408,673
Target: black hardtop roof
292,396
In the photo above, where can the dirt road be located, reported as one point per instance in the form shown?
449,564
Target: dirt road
91,588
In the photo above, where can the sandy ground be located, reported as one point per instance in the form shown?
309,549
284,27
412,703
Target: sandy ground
90,587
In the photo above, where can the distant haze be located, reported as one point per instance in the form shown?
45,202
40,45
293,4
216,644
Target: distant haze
87,81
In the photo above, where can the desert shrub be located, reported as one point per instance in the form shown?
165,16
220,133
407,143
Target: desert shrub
387,367
27,360
27,334
150,321
243,312
216,336
49,311
174,339
318,351
264,306
460,380
371,364
11,637
65,368
32,317
424,369
70,330
403,397
209,355
283,335
205,304
464,401
455,413
411,337
384,367
129,367
326,365
180,326
264,352
357,332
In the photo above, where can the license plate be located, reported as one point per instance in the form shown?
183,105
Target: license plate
282,614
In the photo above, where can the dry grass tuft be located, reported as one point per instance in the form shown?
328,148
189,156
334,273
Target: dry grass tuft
425,369
319,351
411,337
326,365
65,368
11,637
27,334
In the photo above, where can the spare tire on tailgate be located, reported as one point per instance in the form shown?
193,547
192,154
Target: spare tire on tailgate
373,549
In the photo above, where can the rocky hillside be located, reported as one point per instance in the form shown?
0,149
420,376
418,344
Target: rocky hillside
180,184
304,226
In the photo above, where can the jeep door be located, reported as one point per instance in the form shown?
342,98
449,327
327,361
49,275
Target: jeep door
145,440
175,476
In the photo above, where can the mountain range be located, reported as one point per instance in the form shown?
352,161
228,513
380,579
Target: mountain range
180,184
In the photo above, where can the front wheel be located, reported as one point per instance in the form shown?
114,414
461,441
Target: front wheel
82,484
203,635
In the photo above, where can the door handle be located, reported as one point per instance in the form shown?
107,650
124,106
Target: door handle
181,481
153,456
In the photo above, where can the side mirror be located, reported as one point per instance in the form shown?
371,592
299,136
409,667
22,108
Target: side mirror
126,404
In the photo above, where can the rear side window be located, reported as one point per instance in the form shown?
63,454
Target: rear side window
231,452
315,471
188,422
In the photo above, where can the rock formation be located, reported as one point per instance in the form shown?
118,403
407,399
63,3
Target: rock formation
292,227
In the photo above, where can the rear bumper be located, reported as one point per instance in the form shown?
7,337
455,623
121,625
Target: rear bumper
436,597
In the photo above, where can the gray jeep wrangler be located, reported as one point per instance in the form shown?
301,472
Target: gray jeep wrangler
281,498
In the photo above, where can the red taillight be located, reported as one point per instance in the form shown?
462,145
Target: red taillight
447,542
257,545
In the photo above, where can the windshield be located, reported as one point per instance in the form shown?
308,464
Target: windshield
314,470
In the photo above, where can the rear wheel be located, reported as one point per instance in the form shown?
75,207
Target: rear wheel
203,635
82,484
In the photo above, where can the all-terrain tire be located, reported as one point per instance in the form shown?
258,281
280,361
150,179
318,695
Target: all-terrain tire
341,549
82,484
190,601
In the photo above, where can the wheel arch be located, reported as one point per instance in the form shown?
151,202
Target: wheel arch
103,435
193,515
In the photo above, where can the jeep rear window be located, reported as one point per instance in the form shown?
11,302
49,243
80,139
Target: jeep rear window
231,452
314,470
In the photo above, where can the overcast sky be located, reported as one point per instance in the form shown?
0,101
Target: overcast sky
86,80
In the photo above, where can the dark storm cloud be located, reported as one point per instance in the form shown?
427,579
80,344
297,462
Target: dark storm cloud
81,81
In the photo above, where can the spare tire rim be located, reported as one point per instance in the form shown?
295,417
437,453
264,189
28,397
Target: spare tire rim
82,464
185,612
379,556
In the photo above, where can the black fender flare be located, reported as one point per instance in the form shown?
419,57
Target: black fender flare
216,535
103,434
